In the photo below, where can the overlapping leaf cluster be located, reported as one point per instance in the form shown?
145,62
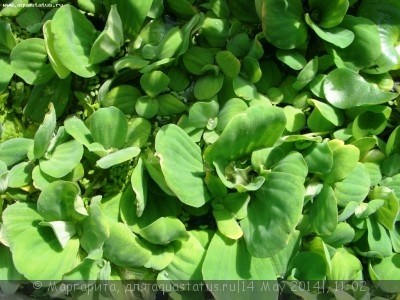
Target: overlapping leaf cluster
202,140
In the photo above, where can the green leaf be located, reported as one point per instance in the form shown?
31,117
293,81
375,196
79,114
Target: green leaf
124,248
29,61
164,230
6,74
139,130
324,117
387,269
201,113
133,14
243,88
196,58
278,201
10,279
14,150
388,212
139,186
393,142
345,158
123,97
258,127
280,261
343,234
76,128
319,158
354,187
63,159
64,230
228,63
74,36
227,225
366,41
308,265
306,74
169,105
155,82
46,260
329,14
345,88
118,157
55,61
109,127
337,36
110,40
231,108
95,229
183,173
7,39
17,218
88,269
230,260
56,91
345,266
187,261
60,201
44,133
323,212
282,23
170,44
378,238
207,86
20,175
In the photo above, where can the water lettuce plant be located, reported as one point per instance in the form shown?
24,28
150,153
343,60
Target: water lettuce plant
204,141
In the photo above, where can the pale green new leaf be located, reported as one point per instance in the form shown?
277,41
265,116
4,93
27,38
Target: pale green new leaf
64,230
118,157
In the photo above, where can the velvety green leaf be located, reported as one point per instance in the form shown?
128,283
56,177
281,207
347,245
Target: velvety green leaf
292,58
139,186
282,23
393,142
123,97
133,14
44,133
130,62
296,120
306,74
329,114
146,107
164,230
78,130
345,266
319,158
58,67
46,259
395,237
63,159
387,269
243,88
139,130
196,58
215,31
154,83
124,248
345,158
343,234
227,225
207,86
183,173
230,260
355,187
95,229
118,157
323,212
7,39
278,201
60,201
109,127
257,127
169,105
18,218
88,269
20,175
228,63
378,238
308,265
231,108
201,112
64,230
340,37
344,88
280,261
366,41
363,210
74,36
108,43
329,14
29,61
170,44
10,279
187,261
6,74
56,91
387,213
